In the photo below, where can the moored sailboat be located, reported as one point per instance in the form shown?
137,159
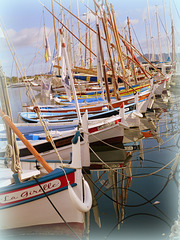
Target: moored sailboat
27,197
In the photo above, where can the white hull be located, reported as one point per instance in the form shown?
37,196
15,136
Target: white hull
159,89
40,212
24,203
38,87
110,133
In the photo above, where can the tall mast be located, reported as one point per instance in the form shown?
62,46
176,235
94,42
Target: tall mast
173,46
166,29
85,57
90,55
55,33
172,32
136,60
103,61
116,36
69,44
152,45
127,44
54,24
79,30
105,26
147,39
11,138
68,29
130,39
72,29
159,37
127,53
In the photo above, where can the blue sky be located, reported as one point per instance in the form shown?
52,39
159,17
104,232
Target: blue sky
24,24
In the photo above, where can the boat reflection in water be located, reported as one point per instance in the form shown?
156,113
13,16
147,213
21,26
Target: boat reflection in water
137,196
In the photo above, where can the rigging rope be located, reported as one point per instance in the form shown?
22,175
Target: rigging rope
28,88
60,215
137,40
126,205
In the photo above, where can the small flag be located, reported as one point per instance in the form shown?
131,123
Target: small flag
47,54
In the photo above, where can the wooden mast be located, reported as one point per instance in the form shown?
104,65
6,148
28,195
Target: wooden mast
90,55
147,39
55,33
166,29
54,24
130,39
115,31
86,38
126,43
173,38
103,62
135,49
105,26
79,30
68,29
151,37
85,53
25,141
127,59
160,49
91,30
72,29
11,139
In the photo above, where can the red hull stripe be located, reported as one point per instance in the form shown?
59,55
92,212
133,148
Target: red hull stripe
96,129
34,192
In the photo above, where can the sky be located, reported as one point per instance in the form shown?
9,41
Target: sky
24,22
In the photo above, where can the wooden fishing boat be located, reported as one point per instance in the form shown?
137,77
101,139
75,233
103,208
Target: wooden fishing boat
143,97
27,198
68,118
24,201
95,96
130,115
97,93
109,130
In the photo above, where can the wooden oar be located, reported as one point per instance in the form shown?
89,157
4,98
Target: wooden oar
25,141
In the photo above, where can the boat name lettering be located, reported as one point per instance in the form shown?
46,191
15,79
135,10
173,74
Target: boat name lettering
21,195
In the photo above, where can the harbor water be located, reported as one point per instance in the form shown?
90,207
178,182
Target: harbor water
143,206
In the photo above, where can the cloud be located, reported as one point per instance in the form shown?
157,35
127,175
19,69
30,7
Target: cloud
90,16
132,21
27,37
